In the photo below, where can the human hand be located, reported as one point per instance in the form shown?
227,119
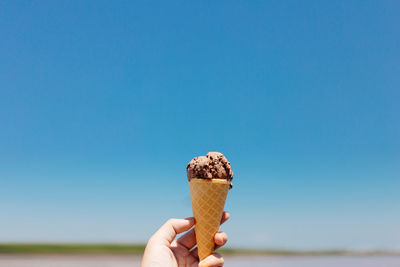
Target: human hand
163,250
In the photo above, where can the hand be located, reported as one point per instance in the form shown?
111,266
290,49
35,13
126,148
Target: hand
163,250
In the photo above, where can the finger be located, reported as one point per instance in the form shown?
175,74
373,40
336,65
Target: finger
172,227
220,238
225,217
188,240
214,260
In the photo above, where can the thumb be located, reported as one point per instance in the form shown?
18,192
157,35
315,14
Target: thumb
171,228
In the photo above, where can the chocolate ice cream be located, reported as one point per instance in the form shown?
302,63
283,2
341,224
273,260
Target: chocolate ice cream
212,166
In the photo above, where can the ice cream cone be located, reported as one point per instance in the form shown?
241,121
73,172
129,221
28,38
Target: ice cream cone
208,200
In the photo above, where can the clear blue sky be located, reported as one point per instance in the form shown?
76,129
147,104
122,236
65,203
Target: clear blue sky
102,104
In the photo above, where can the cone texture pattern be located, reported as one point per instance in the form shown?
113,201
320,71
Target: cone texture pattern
208,200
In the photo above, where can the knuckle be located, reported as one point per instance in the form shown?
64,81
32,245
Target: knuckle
171,221
151,239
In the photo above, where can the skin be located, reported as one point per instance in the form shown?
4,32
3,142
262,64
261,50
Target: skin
163,250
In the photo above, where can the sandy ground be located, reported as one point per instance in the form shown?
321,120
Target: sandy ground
236,261
69,261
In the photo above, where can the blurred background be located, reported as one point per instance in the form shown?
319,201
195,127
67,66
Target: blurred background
103,104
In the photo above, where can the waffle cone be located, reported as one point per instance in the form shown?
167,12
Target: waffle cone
208,200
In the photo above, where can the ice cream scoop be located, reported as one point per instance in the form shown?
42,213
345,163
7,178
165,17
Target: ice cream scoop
214,165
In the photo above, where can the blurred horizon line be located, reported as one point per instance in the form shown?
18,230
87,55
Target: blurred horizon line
138,248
